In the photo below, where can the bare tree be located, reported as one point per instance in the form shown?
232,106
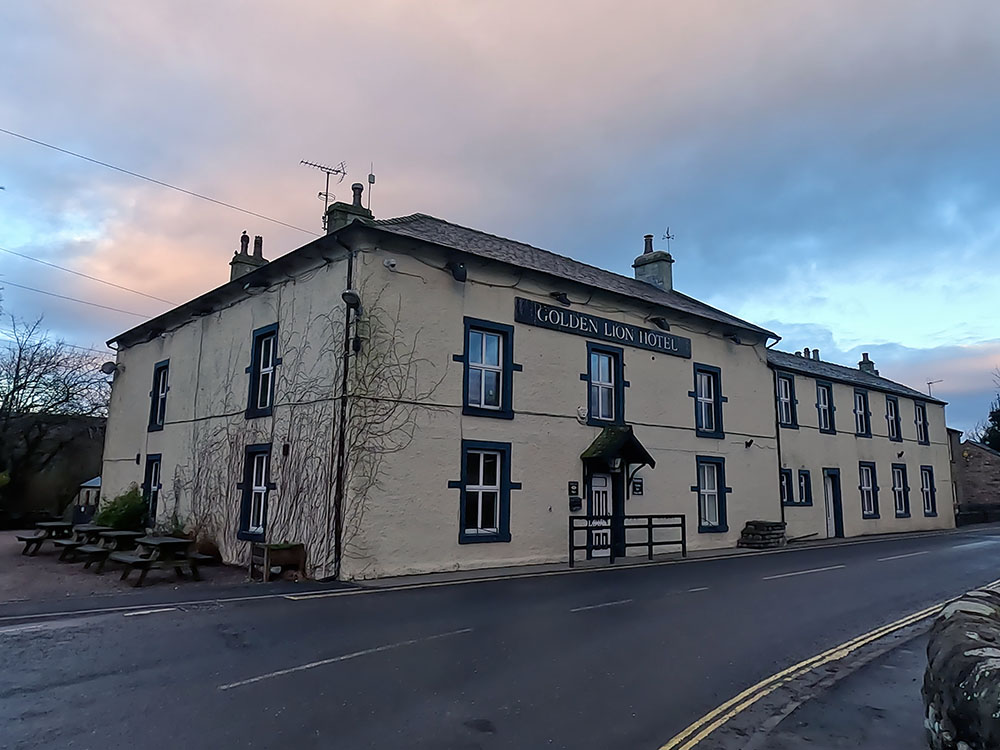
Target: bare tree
50,395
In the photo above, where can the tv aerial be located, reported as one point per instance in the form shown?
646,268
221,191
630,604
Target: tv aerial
932,383
325,195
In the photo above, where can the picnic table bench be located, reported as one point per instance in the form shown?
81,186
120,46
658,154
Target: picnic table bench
110,543
159,552
83,534
48,530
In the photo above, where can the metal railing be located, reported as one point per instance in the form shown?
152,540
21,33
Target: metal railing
633,524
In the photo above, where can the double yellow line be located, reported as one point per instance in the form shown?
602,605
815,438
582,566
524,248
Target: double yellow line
703,727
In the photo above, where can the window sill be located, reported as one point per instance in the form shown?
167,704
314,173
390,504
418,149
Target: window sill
154,428
464,538
789,425
930,515
863,435
798,505
246,536
895,440
828,432
255,413
479,411
713,529
594,422
870,516
923,442
717,435
903,515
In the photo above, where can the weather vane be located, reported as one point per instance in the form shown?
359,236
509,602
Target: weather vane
667,236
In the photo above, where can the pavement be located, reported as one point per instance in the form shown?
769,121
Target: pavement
609,658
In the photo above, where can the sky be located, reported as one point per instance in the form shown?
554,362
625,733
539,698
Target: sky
830,169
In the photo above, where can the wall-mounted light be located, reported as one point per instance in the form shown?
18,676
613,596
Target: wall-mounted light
457,270
615,463
109,368
748,443
900,454
561,298
734,338
351,298
660,322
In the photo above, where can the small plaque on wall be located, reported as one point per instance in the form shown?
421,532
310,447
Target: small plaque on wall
574,489
637,486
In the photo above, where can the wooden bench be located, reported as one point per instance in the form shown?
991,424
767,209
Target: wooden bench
32,542
69,548
144,564
94,553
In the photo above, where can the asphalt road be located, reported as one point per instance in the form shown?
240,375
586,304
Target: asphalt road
611,659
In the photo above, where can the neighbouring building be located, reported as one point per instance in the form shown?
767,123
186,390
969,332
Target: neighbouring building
409,395
977,479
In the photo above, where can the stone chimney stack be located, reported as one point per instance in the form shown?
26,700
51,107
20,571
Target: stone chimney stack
242,262
866,365
340,214
653,266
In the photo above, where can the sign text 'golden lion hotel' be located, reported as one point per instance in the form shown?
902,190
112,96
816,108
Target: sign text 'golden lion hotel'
408,395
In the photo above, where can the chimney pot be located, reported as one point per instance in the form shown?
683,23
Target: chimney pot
244,242
258,246
816,354
648,244
358,188
806,353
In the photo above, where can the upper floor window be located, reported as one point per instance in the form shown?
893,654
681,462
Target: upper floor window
892,417
712,490
927,490
158,396
868,489
489,363
708,400
786,401
605,384
921,421
900,491
263,361
256,486
484,514
824,407
862,415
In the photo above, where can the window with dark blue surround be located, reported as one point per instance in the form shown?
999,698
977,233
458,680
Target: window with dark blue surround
892,418
151,486
785,484
785,391
920,419
484,506
825,408
862,414
900,491
606,384
712,491
927,490
488,362
264,360
868,488
158,395
708,401
255,488
805,488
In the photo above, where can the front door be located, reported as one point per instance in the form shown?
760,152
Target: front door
600,513
831,498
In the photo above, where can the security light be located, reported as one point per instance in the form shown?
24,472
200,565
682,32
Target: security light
457,270
109,368
660,322
351,298
561,297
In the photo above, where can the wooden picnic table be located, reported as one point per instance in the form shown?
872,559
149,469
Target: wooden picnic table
159,552
48,530
83,533
110,543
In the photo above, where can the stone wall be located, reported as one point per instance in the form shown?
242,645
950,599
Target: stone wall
961,688
977,470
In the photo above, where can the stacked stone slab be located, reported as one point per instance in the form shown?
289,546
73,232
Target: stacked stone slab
961,688
763,535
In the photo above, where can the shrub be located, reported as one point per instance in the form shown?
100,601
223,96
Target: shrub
127,512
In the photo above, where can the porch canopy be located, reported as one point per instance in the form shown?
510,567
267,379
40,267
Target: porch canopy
617,441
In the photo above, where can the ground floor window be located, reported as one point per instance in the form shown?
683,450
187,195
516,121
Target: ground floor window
900,491
485,485
151,486
255,487
869,489
712,490
927,490
785,482
805,488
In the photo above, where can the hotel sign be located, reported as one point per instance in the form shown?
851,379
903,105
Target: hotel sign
568,321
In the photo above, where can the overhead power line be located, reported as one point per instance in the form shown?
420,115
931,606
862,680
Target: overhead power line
161,183
86,276
10,336
74,299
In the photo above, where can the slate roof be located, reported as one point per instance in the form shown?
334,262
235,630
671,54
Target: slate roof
440,232
830,371
983,446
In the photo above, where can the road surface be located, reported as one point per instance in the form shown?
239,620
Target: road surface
611,659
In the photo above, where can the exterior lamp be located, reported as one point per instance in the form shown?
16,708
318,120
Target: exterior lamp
615,464
351,298
457,269
560,297
660,322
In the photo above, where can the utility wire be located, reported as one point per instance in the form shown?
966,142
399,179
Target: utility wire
155,181
9,336
86,276
74,299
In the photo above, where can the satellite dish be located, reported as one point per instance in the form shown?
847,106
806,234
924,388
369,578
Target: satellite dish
109,368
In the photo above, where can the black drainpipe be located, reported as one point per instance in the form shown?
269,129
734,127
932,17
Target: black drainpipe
338,494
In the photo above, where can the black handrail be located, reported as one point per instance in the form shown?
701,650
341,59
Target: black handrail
629,523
